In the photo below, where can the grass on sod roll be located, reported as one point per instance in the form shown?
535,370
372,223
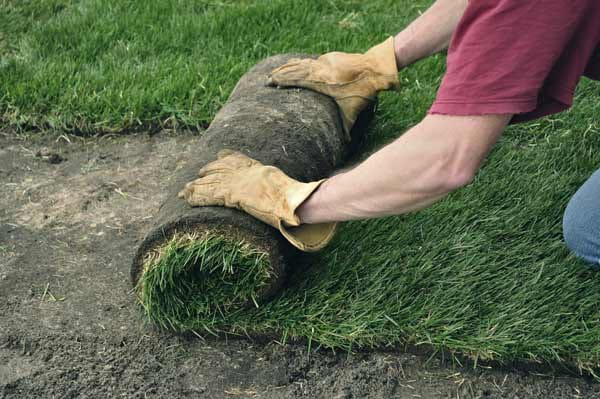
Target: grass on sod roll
195,280
484,272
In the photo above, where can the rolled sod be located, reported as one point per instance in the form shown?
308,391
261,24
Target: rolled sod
199,265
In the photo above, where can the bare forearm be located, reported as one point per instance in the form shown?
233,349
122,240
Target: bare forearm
429,33
435,157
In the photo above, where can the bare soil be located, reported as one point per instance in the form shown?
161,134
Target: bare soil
72,212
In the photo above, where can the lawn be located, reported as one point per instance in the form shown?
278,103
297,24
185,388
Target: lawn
483,273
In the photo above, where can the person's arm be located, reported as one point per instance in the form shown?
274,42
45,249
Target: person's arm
429,33
437,156
353,80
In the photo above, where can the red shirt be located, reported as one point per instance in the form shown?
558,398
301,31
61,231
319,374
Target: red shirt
522,57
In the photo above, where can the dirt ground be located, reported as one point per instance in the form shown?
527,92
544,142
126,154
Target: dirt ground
72,212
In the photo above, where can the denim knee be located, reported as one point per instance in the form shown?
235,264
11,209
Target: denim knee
581,222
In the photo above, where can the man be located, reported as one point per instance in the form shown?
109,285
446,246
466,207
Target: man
508,61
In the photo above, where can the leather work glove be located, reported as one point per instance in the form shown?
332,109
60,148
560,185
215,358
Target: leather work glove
265,192
353,80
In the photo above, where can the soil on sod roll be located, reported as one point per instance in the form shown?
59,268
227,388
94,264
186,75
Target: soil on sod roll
199,265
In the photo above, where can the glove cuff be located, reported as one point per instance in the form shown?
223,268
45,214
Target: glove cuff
383,58
295,195
309,237
305,237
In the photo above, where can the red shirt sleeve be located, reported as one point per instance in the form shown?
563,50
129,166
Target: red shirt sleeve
518,57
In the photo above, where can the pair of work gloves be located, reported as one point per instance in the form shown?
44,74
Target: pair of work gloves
265,192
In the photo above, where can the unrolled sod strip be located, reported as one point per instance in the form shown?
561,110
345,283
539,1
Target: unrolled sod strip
198,266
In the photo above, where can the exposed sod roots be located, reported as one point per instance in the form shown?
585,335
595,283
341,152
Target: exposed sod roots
195,280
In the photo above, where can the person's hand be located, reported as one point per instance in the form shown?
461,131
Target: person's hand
353,80
265,192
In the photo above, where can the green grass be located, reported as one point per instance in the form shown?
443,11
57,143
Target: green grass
197,281
112,65
484,273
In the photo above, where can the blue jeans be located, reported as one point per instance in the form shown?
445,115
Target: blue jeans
581,221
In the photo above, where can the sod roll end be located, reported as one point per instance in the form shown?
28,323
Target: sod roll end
199,265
